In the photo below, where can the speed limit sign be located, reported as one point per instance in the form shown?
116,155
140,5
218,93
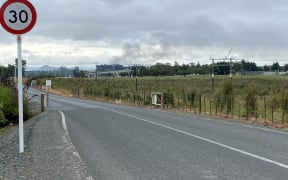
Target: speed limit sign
18,16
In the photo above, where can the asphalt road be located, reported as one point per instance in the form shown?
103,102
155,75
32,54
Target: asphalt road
122,142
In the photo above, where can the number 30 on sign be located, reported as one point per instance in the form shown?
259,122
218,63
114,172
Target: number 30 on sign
18,16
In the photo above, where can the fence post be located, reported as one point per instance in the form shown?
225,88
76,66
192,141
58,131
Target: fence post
210,110
200,103
190,104
194,103
216,106
265,109
283,111
239,106
178,100
247,108
204,104
169,101
227,110
42,102
256,109
232,105
272,109
221,107
145,97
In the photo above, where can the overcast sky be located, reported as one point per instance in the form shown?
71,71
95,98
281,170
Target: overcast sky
77,32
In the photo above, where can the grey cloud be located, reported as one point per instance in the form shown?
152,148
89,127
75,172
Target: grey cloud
202,22
164,24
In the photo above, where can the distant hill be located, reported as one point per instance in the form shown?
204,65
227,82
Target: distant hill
47,68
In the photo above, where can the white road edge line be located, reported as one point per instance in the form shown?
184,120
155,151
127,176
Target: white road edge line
207,140
63,120
75,151
229,123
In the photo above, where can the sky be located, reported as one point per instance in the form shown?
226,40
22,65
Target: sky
86,33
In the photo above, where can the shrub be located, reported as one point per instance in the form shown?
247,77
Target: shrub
250,100
3,121
224,95
9,106
168,98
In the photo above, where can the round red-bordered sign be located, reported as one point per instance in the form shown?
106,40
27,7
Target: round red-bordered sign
18,16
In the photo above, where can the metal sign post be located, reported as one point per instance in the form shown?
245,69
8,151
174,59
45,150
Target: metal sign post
18,17
20,93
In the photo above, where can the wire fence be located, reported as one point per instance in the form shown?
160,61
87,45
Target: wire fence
269,110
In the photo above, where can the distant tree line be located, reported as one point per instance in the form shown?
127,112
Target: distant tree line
159,69
220,68
9,71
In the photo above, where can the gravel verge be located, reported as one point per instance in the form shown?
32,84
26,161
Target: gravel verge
49,153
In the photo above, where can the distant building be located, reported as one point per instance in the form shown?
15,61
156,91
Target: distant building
108,74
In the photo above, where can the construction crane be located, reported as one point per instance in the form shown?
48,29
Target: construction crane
228,54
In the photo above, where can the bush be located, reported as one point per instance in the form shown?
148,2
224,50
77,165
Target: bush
3,121
169,98
250,103
224,95
9,106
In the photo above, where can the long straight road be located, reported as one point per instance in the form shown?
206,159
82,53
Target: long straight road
122,142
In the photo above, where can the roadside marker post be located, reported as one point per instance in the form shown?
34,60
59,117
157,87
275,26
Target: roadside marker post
18,17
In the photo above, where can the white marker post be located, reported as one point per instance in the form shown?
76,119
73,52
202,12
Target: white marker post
18,17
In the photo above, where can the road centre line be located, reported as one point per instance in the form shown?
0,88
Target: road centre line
205,139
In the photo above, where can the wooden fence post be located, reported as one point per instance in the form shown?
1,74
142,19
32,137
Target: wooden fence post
265,113
227,109
256,109
239,106
210,105
42,102
284,104
247,108
200,102
272,109
232,105
204,104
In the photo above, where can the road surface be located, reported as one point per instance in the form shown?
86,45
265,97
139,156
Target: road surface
122,142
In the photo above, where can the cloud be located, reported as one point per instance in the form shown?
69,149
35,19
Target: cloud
137,31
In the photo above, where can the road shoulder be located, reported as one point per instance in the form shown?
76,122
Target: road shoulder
49,153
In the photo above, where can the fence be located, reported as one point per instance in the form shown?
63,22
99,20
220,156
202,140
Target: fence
269,110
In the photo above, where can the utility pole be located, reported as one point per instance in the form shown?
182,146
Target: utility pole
213,66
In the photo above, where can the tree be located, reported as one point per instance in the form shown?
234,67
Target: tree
76,72
266,68
275,66
223,68
286,67
162,70
24,63
238,67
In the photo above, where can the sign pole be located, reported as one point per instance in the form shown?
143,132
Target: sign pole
20,93
18,17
